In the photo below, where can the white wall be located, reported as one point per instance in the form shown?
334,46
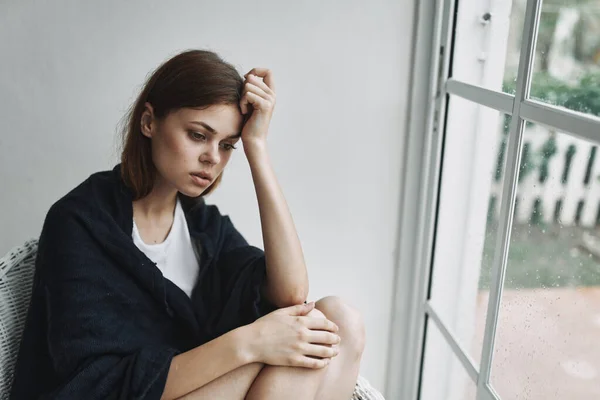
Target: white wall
70,69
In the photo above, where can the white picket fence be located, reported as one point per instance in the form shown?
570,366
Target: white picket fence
574,202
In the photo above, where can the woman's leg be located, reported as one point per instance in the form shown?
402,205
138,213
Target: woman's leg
336,381
341,374
231,386
274,383
257,381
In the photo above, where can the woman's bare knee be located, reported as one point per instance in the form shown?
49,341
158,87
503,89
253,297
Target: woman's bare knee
340,380
276,382
348,319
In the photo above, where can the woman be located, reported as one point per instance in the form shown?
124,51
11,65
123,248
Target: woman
143,291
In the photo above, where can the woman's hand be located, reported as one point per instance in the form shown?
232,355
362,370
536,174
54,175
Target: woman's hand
287,337
257,103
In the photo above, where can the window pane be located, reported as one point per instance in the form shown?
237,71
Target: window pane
567,60
444,377
466,230
549,322
487,42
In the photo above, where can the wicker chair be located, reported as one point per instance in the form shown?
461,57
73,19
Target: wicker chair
16,278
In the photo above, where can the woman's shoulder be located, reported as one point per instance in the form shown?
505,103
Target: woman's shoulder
93,188
102,192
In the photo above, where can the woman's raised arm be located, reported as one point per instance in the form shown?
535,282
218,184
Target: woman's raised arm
287,278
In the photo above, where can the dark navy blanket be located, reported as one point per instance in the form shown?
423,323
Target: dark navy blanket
103,321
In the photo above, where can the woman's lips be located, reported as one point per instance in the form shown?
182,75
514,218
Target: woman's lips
200,180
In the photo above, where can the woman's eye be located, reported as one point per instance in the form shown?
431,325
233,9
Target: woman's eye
228,147
197,136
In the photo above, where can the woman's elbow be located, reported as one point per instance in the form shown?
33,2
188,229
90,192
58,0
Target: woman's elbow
298,298
299,293
286,294
291,298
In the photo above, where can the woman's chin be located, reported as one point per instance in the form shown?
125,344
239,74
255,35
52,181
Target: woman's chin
194,191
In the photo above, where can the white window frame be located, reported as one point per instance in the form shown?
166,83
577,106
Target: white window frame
431,87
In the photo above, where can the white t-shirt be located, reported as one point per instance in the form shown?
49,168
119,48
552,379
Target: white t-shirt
175,257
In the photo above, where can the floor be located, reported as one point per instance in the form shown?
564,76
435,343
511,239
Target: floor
547,343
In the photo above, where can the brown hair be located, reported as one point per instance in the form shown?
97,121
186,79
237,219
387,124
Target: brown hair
194,79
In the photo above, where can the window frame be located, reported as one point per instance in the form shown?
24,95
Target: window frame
430,91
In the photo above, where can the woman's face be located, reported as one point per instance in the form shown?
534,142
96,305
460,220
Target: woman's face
191,147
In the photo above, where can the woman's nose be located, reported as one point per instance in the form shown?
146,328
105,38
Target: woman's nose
211,154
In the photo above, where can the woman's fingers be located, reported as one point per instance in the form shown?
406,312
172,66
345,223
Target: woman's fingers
255,100
315,350
256,81
312,363
264,73
250,87
322,337
244,105
259,93
257,97
297,310
320,324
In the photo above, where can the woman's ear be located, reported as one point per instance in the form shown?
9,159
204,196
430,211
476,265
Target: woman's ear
147,121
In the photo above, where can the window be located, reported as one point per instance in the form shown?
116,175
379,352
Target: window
511,306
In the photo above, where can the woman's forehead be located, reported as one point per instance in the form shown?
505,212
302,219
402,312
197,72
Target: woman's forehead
223,119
